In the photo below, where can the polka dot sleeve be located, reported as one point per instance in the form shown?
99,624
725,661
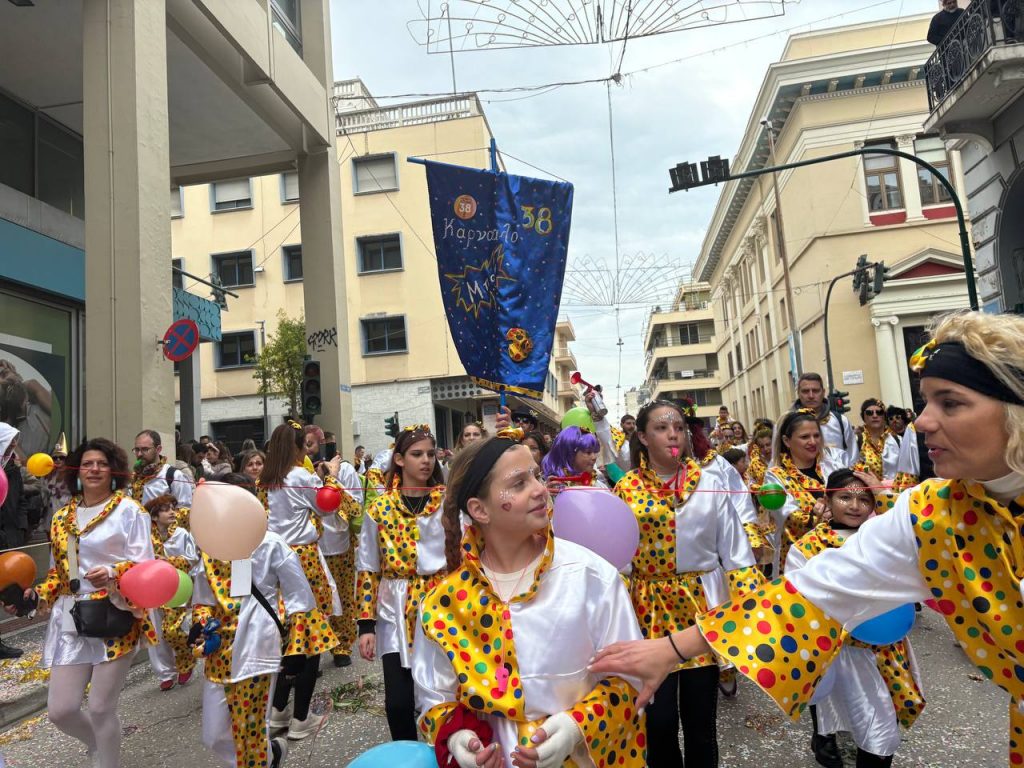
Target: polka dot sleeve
755,535
613,729
743,580
778,639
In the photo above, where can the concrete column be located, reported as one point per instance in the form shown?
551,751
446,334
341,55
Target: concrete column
129,385
323,263
191,397
889,365
908,176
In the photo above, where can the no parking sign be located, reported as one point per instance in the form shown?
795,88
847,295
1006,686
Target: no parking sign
181,340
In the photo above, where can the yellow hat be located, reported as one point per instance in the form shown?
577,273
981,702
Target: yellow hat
61,448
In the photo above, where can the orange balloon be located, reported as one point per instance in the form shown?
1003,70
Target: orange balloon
17,568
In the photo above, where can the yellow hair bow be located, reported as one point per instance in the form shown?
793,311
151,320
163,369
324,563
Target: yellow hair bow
920,357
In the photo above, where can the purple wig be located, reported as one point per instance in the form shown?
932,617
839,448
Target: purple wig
571,440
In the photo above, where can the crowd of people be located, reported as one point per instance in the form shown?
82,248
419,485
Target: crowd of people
443,567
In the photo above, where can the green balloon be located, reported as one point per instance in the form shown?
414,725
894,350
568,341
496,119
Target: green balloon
578,417
184,591
772,496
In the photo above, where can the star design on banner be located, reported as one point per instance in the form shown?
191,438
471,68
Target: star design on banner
477,287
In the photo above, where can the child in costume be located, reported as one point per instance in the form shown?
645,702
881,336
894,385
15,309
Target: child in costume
502,643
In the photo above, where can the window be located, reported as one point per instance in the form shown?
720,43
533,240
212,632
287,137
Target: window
234,269
176,280
379,254
732,371
688,333
375,174
292,262
932,150
776,235
230,195
286,20
177,204
60,168
782,313
17,161
289,187
739,359
236,350
881,175
384,335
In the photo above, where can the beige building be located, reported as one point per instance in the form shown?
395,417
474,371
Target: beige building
834,90
401,354
681,351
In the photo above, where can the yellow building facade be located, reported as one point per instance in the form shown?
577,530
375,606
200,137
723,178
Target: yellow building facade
401,354
833,91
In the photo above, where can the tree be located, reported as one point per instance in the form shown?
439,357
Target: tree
279,366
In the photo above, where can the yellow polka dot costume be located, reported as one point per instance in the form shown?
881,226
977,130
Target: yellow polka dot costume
479,657
117,537
945,540
692,549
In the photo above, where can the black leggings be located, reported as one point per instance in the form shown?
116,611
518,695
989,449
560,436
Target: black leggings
399,698
690,697
304,684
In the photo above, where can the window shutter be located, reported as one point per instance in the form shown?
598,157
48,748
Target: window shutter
375,174
176,206
230,191
291,186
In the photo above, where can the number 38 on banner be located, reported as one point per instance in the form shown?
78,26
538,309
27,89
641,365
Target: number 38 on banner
540,222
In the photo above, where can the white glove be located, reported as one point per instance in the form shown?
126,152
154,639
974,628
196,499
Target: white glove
458,746
563,738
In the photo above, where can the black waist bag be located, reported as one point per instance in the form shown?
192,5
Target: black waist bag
101,618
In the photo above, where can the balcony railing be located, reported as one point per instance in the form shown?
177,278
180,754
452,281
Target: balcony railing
417,113
681,376
974,33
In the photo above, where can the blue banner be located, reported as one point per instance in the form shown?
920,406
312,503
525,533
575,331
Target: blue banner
501,243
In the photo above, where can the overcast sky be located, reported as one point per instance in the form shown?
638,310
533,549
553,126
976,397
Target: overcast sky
682,111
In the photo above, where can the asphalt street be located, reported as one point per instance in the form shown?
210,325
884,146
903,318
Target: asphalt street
964,723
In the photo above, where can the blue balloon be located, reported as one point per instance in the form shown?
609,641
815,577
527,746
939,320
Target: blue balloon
887,628
407,754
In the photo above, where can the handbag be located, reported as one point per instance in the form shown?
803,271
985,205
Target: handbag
101,618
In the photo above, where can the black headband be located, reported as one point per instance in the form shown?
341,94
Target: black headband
482,463
950,360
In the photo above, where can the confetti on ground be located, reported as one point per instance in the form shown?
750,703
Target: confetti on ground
359,695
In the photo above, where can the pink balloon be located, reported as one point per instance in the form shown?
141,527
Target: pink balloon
227,521
149,584
598,520
3,485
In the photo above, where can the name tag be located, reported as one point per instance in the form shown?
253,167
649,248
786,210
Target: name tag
241,578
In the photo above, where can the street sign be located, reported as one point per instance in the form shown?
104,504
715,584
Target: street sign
181,340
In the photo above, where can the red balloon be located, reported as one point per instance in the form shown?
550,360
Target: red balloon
328,499
150,584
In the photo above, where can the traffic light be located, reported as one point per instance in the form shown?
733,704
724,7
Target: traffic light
311,403
391,426
881,275
860,276
838,401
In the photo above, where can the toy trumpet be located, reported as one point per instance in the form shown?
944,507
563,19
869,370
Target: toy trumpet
596,405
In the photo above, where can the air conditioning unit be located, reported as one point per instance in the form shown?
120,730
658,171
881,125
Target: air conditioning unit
355,428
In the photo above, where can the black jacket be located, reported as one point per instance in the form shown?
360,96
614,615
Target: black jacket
942,22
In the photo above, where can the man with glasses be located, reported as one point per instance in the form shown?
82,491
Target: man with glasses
524,419
153,476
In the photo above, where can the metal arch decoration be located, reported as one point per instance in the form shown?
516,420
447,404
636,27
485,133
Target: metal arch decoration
640,278
471,25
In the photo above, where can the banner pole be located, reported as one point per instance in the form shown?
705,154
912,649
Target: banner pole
494,159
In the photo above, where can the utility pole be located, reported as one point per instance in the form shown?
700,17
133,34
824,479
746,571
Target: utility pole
780,236
263,346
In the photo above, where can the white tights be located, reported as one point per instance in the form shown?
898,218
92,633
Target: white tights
98,727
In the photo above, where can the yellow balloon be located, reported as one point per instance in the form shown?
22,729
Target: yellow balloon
39,464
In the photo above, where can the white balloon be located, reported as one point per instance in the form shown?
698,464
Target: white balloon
227,521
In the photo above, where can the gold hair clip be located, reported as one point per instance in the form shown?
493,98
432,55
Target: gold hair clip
808,412
511,433
920,357
418,428
295,425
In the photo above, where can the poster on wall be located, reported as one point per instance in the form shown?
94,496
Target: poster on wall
32,392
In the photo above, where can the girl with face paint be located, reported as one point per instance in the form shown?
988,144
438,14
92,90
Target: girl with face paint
503,642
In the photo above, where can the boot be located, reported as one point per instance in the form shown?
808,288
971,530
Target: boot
870,760
825,748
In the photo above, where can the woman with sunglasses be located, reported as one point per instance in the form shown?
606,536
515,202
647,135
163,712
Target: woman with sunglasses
493,689
400,558
877,449
876,688
690,543
971,375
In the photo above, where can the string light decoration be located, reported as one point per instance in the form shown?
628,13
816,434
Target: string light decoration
640,278
473,25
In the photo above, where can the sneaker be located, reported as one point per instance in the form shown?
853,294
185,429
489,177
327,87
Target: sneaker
279,718
728,687
184,677
9,651
342,660
300,729
279,749
166,685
